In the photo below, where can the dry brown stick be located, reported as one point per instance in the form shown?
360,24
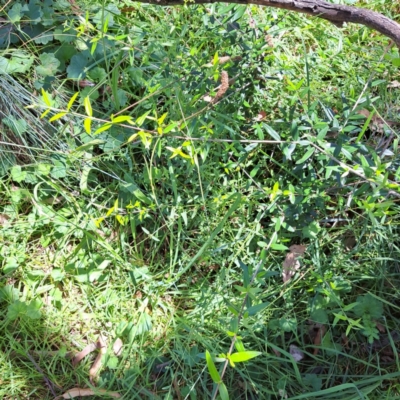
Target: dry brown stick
335,13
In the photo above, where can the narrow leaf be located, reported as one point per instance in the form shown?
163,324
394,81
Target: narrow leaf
88,106
72,100
57,116
142,118
162,118
103,128
223,392
274,134
257,308
306,156
87,123
122,118
212,369
89,144
46,98
45,113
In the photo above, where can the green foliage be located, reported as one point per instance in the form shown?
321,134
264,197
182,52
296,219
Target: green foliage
146,207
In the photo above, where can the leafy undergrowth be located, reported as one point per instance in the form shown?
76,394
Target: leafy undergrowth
220,198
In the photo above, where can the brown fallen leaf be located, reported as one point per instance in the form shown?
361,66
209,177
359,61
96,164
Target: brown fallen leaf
4,219
345,340
298,249
291,263
78,392
380,327
223,60
83,353
269,39
377,124
394,84
260,116
321,330
349,240
117,347
101,345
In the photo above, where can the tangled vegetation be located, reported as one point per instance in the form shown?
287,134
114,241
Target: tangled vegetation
197,202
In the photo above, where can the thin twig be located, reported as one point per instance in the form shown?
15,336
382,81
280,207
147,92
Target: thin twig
49,383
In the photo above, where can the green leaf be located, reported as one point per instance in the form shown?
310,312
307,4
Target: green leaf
33,309
142,118
368,304
45,113
46,98
49,64
162,118
306,156
212,369
87,123
103,128
11,265
20,62
271,132
288,324
278,246
121,118
43,169
244,356
72,100
97,74
223,392
15,15
83,183
216,58
16,310
240,10
17,174
77,66
257,308
88,145
311,231
396,62
57,116
88,106
320,316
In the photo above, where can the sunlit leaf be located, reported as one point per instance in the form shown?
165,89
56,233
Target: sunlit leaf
87,123
57,116
223,392
72,100
122,118
46,98
45,113
162,118
88,106
212,369
103,128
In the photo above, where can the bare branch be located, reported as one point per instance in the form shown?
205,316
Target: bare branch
335,13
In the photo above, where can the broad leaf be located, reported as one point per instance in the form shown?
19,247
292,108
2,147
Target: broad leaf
244,356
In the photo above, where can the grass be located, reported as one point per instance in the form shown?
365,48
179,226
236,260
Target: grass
124,241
